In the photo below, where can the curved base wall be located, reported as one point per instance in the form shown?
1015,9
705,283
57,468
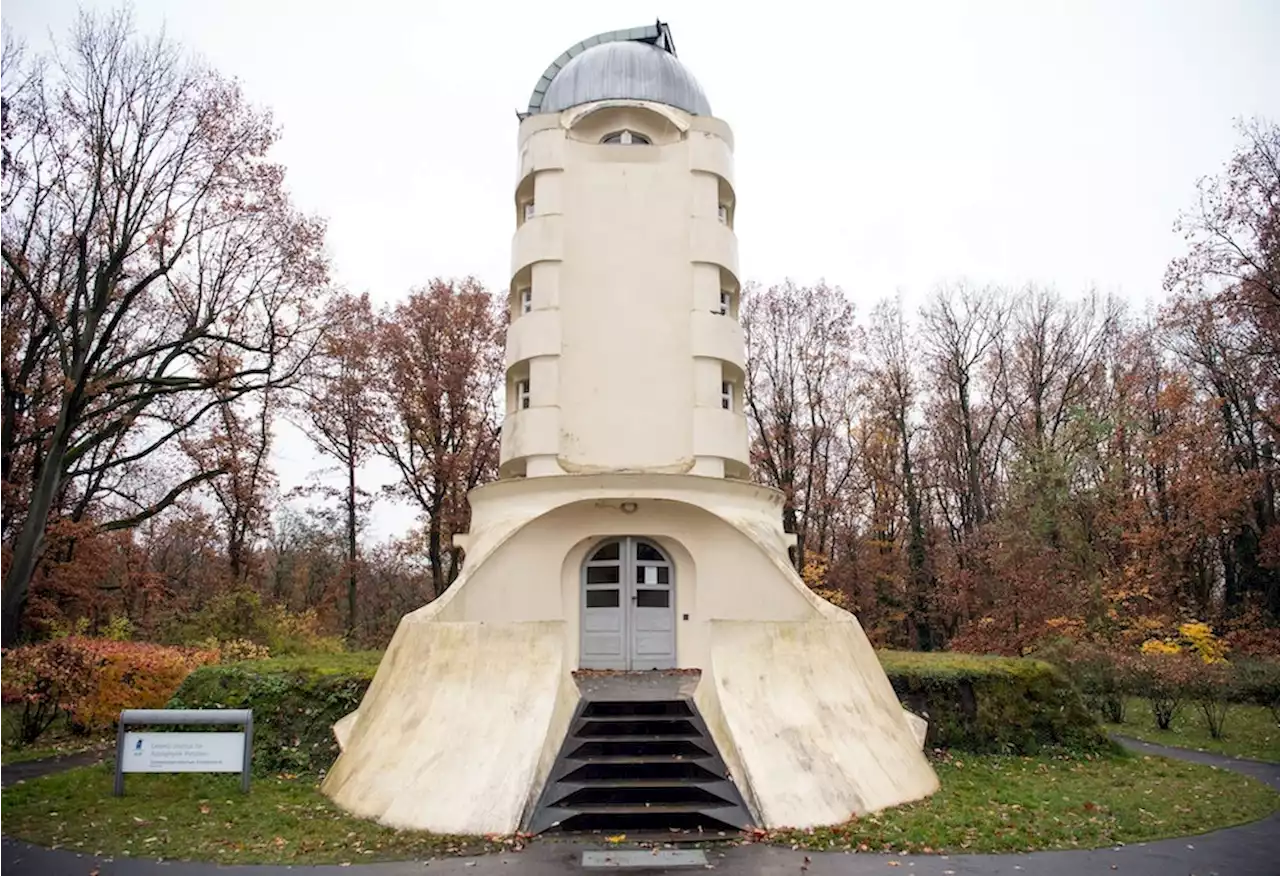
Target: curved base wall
470,705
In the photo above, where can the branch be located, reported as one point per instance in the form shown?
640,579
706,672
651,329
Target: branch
169,498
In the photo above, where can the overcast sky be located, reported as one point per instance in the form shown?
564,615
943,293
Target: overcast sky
884,147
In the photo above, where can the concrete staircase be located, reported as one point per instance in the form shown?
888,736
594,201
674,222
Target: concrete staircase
637,766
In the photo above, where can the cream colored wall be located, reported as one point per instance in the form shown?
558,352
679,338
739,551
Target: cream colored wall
626,259
720,574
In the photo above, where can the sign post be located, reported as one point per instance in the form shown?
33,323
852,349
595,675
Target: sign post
179,752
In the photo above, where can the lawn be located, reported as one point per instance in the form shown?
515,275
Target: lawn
1012,804
987,804
206,817
1250,731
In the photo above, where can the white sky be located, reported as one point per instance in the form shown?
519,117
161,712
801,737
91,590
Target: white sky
883,147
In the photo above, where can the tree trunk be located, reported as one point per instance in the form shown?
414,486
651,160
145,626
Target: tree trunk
351,545
30,542
433,553
919,600
790,523
972,471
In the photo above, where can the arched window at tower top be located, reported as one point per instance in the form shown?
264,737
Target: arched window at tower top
626,138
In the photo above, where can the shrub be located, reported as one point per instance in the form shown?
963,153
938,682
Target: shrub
132,675
1105,677
43,682
92,680
295,703
236,650
993,704
1164,679
1212,688
242,614
1258,682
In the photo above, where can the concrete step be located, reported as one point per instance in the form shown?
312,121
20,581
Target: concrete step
639,765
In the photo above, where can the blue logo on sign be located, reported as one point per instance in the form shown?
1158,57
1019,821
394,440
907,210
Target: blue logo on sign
137,748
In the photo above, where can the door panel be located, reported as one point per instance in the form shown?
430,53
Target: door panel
652,621
604,610
628,607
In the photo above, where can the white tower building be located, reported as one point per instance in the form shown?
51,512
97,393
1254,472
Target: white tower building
624,533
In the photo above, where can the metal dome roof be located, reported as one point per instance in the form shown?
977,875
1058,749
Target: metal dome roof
635,64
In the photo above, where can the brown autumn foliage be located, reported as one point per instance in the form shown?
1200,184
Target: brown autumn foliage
438,417
1029,466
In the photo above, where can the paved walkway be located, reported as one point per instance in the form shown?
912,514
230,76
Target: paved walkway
1250,850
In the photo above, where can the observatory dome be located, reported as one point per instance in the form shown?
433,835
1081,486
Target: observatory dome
625,70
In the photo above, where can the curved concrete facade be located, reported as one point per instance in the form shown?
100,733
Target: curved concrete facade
625,368
622,260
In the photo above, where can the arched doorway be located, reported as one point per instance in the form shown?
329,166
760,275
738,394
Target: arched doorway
628,606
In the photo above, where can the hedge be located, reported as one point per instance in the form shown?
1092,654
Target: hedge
993,705
973,704
295,702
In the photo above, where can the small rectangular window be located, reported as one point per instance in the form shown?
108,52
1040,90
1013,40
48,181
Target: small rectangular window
724,214
726,395
526,300
653,598
522,394
603,599
604,574
726,300
528,211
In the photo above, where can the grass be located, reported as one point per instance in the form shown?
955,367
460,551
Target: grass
1014,804
1249,731
206,818
987,804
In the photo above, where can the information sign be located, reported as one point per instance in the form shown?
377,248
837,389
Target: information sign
183,752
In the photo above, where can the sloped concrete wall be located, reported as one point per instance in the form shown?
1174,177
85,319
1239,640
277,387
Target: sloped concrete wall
567,698
450,735
814,722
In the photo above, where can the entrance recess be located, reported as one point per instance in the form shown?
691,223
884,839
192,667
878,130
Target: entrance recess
628,607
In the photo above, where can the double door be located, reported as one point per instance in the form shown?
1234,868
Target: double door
628,607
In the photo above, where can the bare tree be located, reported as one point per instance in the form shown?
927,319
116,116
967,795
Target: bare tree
337,410
1056,366
155,271
894,391
799,352
963,334
237,443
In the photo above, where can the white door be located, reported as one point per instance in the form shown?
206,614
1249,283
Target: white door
628,607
